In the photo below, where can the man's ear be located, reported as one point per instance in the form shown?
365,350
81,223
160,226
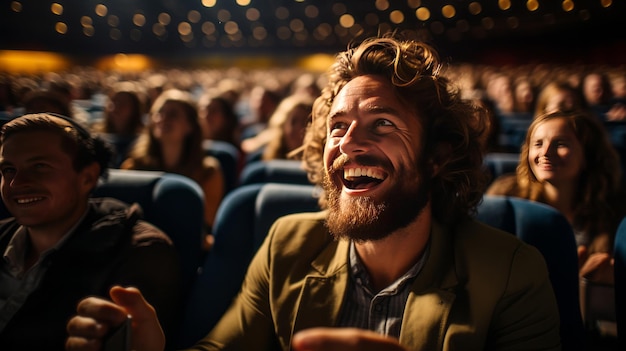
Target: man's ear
90,175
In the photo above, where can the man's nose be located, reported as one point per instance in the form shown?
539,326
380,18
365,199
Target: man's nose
355,140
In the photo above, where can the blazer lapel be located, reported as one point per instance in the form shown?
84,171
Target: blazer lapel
432,295
322,294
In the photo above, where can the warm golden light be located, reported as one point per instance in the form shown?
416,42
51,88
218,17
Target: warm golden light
164,18
504,4
346,21
253,14
32,61
532,5
139,20
101,10
414,3
209,3
125,62
86,21
56,8
243,2
568,5
396,16
382,5
606,3
60,27
448,11
422,13
317,62
194,16
184,28
231,27
16,6
475,8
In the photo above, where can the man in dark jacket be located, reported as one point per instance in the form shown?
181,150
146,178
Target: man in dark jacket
60,245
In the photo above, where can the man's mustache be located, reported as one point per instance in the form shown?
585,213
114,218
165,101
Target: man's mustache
361,160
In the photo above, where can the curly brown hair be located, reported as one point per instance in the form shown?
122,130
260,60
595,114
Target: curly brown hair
453,127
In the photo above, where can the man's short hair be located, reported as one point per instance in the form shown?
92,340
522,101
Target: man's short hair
76,140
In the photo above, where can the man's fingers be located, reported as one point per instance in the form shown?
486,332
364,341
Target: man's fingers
343,339
133,301
86,327
75,343
101,310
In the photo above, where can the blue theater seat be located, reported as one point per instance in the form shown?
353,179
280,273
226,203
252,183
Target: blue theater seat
241,224
172,202
546,229
620,283
229,158
274,171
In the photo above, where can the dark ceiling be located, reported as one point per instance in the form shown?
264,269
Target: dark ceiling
467,29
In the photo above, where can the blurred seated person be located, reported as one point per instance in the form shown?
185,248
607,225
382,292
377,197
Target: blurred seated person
524,98
218,119
60,245
123,119
172,142
597,93
42,101
287,126
568,162
262,102
559,96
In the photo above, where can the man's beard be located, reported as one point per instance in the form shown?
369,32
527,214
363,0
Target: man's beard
364,219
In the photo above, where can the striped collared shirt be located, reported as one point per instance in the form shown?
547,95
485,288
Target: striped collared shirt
380,312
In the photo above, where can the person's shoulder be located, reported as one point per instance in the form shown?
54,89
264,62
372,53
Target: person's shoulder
295,231
113,213
505,184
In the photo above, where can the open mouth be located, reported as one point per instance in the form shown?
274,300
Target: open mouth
28,200
362,178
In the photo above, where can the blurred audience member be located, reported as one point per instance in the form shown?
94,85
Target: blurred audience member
262,104
39,101
499,90
218,119
172,142
568,162
123,119
559,96
287,126
596,90
524,98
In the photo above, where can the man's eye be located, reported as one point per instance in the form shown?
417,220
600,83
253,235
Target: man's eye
384,123
338,125
7,170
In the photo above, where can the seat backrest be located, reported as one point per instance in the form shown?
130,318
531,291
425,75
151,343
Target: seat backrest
512,132
274,171
242,222
173,203
229,158
546,229
620,283
499,163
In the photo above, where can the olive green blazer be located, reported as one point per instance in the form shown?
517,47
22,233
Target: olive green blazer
480,289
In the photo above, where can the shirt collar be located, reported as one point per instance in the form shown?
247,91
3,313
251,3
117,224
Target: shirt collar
361,277
15,252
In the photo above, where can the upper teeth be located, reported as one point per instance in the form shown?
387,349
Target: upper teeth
28,200
362,172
